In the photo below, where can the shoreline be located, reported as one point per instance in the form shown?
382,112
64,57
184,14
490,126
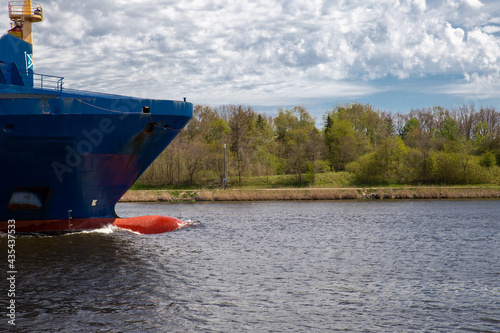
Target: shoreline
311,194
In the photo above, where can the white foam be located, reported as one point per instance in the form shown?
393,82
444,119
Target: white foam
185,224
107,229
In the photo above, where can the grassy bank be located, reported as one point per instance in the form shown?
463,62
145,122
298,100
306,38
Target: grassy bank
324,180
369,193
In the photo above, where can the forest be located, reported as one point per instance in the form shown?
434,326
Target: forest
435,146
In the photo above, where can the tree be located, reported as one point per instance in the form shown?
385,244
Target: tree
383,166
488,160
463,150
349,130
344,144
411,126
448,129
262,140
194,157
294,130
444,168
480,132
241,123
466,116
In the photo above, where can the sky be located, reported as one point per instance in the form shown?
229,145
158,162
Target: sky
396,55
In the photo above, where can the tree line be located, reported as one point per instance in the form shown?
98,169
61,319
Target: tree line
425,146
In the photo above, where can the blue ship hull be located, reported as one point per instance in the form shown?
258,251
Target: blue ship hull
67,157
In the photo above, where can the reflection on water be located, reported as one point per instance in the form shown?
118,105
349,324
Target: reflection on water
281,266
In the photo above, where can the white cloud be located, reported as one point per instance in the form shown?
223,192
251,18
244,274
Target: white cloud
476,88
420,4
262,51
491,29
473,3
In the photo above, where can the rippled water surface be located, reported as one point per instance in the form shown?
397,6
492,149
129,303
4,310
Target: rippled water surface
380,266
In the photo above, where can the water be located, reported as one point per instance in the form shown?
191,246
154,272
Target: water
380,266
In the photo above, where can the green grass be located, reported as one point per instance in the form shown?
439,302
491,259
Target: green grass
320,180
138,185
330,179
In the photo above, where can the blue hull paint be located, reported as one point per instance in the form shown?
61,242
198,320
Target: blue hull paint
74,154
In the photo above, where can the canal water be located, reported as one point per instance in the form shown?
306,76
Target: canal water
354,266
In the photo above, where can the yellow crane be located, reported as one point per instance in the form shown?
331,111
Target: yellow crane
23,14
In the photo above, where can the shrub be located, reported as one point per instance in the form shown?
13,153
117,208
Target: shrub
488,160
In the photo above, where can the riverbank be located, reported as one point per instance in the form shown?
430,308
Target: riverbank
369,193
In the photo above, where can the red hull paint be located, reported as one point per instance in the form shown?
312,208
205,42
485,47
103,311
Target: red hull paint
154,224
58,225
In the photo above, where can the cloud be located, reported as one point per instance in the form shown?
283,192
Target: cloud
473,3
476,87
263,51
491,29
